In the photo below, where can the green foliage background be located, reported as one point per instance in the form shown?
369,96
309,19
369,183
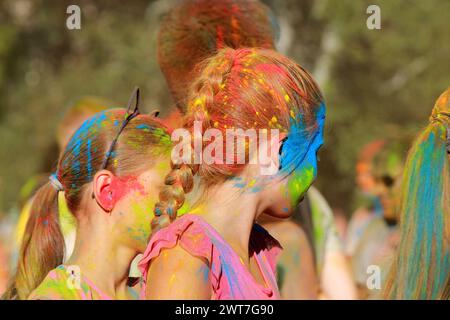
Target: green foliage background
377,83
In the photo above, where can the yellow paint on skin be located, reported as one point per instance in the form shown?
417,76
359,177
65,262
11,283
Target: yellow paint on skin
172,280
252,183
162,166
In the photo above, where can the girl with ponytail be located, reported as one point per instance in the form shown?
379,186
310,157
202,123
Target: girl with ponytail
421,267
108,177
220,252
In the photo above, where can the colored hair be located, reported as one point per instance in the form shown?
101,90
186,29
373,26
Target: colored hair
143,140
421,266
76,114
194,30
246,89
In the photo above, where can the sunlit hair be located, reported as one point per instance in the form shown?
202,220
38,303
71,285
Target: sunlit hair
244,88
421,267
143,140
77,113
196,29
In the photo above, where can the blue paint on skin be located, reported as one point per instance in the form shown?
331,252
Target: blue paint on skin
300,148
256,189
203,272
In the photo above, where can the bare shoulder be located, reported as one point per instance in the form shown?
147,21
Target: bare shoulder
176,274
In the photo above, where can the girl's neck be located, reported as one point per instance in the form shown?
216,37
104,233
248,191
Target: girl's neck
232,213
102,261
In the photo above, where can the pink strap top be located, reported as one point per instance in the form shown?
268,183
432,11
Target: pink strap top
230,279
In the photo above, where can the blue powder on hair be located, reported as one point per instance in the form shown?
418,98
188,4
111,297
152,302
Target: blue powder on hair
143,127
300,144
89,159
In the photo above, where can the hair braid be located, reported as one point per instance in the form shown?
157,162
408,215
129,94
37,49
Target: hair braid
245,88
180,180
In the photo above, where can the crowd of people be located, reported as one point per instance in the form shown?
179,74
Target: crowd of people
119,218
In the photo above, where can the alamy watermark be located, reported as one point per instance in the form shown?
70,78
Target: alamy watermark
73,21
373,22
374,279
74,280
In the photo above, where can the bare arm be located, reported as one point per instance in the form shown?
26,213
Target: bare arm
337,281
175,274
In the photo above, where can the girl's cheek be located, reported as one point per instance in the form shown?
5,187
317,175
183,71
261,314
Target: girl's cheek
141,215
299,182
143,210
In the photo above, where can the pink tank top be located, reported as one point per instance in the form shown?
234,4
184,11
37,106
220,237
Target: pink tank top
230,279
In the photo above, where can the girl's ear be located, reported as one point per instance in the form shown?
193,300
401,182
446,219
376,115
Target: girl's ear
103,190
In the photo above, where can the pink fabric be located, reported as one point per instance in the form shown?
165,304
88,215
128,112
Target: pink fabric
55,287
230,279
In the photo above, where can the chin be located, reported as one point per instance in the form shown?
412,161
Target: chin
280,212
284,215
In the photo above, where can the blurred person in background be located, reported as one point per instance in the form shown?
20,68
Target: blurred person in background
313,253
182,44
5,248
421,265
341,221
373,233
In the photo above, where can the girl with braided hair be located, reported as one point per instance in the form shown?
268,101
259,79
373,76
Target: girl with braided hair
421,267
109,176
182,44
219,252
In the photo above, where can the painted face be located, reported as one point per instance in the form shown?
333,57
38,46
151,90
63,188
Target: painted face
134,211
302,167
298,170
